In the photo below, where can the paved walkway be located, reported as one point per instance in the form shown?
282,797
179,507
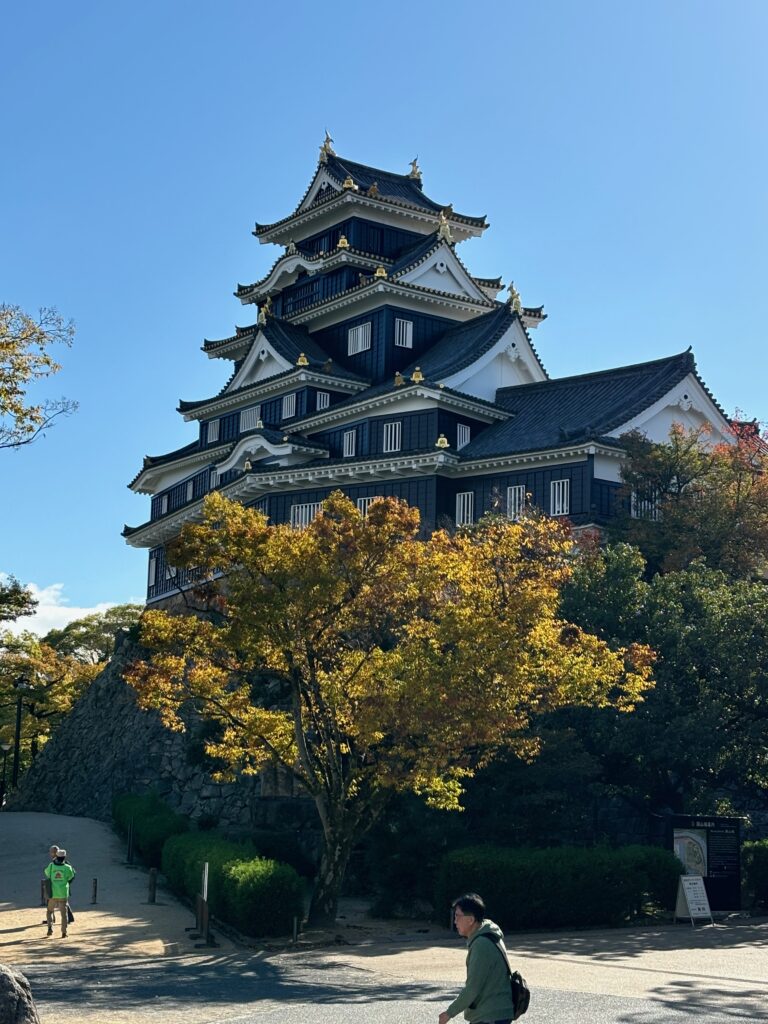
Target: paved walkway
127,961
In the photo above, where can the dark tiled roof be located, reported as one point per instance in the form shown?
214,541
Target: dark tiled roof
568,410
460,346
414,254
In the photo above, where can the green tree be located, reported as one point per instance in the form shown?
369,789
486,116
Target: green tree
16,600
25,358
91,639
367,662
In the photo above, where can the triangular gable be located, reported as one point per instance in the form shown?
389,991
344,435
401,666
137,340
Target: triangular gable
443,271
263,361
509,362
321,180
687,403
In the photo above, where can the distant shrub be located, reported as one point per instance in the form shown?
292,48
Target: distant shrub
562,886
256,895
153,823
754,864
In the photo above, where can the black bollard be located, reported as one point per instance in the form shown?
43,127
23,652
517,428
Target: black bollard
94,889
152,885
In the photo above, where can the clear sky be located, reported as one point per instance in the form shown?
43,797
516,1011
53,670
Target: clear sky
619,151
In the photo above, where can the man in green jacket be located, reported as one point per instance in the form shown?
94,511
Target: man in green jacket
486,997
59,874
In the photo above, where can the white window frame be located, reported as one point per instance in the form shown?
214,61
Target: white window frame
403,333
213,431
190,490
164,502
303,514
363,504
392,436
560,497
359,339
249,418
515,501
213,479
323,400
463,435
349,443
170,571
152,572
465,508
289,406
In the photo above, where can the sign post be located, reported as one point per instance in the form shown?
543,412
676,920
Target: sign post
692,900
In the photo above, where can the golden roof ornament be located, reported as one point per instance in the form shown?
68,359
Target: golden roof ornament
399,379
290,249
326,149
514,298
302,360
380,272
265,311
444,228
417,376
342,242
373,191
442,442
349,183
259,423
415,169
247,467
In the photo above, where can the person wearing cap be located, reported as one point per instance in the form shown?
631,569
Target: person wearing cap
60,874
50,916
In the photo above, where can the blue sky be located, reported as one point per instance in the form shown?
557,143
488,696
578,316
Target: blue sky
619,151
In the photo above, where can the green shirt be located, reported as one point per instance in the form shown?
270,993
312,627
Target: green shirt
487,995
60,876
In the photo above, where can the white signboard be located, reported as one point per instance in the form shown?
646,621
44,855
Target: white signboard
692,900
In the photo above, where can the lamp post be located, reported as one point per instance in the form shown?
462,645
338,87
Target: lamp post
5,747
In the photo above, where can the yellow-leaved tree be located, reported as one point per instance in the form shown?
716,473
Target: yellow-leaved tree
365,660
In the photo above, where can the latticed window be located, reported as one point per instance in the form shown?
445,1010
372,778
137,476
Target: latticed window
249,418
359,339
190,489
213,480
350,443
152,570
392,435
465,508
645,505
302,515
163,504
213,431
403,333
363,504
323,399
289,405
462,435
515,501
560,497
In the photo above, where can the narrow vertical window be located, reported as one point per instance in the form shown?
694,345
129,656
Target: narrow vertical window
462,435
392,433
152,571
323,399
465,508
359,339
163,504
559,497
515,501
289,406
350,443
364,504
213,431
190,489
403,333
249,418
213,480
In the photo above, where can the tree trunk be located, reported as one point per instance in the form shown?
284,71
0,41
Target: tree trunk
333,864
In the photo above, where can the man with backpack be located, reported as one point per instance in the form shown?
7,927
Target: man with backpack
60,874
492,994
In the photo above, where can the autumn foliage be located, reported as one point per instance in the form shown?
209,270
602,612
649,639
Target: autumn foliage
366,661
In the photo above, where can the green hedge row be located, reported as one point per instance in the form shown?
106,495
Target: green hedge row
563,886
754,865
257,896
153,823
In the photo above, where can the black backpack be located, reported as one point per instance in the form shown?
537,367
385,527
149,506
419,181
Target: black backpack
521,994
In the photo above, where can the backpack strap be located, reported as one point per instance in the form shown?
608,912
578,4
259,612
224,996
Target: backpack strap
502,951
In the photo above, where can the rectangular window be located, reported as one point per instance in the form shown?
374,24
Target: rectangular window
392,437
214,479
190,489
289,405
323,399
213,431
249,418
302,515
465,508
403,333
152,570
645,505
163,504
515,501
363,504
560,497
462,435
350,443
359,339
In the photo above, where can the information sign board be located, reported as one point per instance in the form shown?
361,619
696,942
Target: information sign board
692,900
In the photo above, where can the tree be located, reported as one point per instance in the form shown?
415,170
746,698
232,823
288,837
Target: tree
693,499
91,639
15,600
367,662
25,357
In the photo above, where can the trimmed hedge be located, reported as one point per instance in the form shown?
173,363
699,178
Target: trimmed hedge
153,823
562,886
754,864
256,895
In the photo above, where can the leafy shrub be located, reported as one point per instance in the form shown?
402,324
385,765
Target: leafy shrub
153,823
562,886
256,895
754,862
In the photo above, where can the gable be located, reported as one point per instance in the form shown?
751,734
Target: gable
688,404
321,181
442,271
262,361
509,362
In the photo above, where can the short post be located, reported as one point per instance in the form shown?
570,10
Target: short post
94,889
205,881
152,885
295,928
43,894
129,854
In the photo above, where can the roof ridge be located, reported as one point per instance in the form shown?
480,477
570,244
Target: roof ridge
604,373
